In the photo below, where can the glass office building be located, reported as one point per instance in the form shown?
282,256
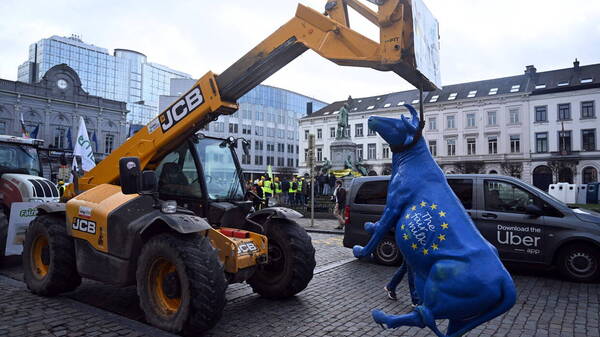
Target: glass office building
124,76
268,118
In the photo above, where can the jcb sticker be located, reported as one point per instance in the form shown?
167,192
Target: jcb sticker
180,109
83,225
247,247
85,211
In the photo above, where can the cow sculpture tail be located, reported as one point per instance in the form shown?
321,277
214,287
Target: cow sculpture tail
422,317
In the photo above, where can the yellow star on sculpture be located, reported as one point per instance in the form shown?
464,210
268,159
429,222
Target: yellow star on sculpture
405,236
434,246
414,208
402,227
425,252
423,204
444,226
433,206
414,246
442,213
442,237
407,216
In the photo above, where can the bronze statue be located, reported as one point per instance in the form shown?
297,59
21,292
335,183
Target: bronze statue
326,166
343,131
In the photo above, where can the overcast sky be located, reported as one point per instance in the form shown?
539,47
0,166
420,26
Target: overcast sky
480,39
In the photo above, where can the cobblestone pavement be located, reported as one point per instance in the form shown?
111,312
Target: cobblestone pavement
336,303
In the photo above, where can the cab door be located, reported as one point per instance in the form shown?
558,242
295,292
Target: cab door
503,220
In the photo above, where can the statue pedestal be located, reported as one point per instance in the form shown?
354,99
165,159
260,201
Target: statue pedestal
341,149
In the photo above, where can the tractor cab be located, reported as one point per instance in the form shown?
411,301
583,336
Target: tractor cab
20,155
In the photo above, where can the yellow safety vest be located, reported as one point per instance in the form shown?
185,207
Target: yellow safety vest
267,187
299,186
277,187
292,189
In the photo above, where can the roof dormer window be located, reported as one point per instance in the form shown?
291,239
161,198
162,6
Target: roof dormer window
540,86
452,96
586,80
370,107
563,83
472,93
387,105
401,103
434,98
493,91
515,88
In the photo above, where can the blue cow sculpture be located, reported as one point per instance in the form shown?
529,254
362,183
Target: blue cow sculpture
457,274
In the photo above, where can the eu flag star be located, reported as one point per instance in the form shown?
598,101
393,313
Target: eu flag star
414,208
434,246
444,226
442,213
407,216
423,204
433,206
405,236
402,227
442,237
425,252
414,246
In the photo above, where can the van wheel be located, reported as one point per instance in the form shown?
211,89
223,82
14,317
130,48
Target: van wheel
579,262
181,283
49,264
387,252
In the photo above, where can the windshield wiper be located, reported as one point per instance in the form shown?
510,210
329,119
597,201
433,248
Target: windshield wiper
24,151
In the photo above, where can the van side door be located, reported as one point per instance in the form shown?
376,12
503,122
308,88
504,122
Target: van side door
503,220
465,191
366,205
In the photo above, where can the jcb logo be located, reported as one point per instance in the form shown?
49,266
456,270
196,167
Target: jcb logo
248,247
181,109
83,225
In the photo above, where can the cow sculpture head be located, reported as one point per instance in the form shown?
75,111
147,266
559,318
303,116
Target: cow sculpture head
397,132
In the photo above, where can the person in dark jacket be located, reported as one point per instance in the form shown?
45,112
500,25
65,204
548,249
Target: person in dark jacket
339,196
285,190
332,180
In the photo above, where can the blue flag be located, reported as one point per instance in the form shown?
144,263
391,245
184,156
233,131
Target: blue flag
95,141
35,132
457,274
69,140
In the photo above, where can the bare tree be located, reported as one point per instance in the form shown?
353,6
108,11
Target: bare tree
513,169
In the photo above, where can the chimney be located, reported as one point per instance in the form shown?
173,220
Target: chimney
576,64
309,108
530,70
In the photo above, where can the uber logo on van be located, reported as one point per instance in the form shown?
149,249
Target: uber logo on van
517,236
83,225
180,109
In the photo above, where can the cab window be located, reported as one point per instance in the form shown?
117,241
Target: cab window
177,175
372,193
463,188
502,196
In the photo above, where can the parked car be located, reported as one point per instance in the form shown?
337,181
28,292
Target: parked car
525,224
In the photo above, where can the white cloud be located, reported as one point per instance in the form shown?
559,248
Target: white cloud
480,38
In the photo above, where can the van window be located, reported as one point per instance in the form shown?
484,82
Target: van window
463,188
501,196
372,193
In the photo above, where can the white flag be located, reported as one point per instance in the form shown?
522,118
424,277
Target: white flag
83,148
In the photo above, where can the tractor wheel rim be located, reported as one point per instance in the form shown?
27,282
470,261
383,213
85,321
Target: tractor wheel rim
165,286
40,257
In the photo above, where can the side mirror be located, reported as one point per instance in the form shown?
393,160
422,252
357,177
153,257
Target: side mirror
149,181
533,210
246,147
130,177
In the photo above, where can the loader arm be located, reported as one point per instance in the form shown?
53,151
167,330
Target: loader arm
328,34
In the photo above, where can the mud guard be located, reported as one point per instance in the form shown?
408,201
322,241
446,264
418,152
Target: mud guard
52,207
263,216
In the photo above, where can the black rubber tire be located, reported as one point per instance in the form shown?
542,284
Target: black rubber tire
387,252
291,262
579,262
201,280
3,233
62,273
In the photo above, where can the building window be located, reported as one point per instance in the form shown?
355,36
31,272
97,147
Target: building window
319,133
233,128
3,128
515,144
331,132
471,146
359,152
451,147
541,142
564,112
386,152
246,129
433,147
358,130
590,175
246,159
493,145
491,118
280,161
306,134
258,145
588,140
541,113
471,120
514,116
371,133
109,143
219,126
564,141
260,131
587,110
372,151
319,154
306,155
432,123
472,93
290,162
59,138
450,122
